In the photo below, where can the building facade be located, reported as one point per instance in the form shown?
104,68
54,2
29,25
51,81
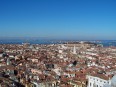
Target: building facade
97,82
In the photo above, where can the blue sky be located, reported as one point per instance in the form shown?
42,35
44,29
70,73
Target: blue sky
80,19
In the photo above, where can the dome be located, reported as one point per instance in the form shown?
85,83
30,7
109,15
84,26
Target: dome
106,85
113,81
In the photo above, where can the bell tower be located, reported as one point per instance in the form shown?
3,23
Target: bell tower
74,50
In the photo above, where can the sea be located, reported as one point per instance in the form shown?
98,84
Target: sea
105,43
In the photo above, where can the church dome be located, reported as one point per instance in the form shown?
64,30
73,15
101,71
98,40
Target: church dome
113,81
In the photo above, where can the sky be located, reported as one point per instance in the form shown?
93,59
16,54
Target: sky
74,19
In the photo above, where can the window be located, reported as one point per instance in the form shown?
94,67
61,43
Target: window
90,84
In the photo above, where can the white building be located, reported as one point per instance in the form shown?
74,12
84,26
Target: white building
97,82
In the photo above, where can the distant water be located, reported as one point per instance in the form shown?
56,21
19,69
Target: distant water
30,41
46,41
107,43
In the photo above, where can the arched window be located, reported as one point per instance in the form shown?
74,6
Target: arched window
90,83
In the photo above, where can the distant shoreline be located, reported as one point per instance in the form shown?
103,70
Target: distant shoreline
105,43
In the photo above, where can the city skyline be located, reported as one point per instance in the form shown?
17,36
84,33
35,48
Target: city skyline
73,19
